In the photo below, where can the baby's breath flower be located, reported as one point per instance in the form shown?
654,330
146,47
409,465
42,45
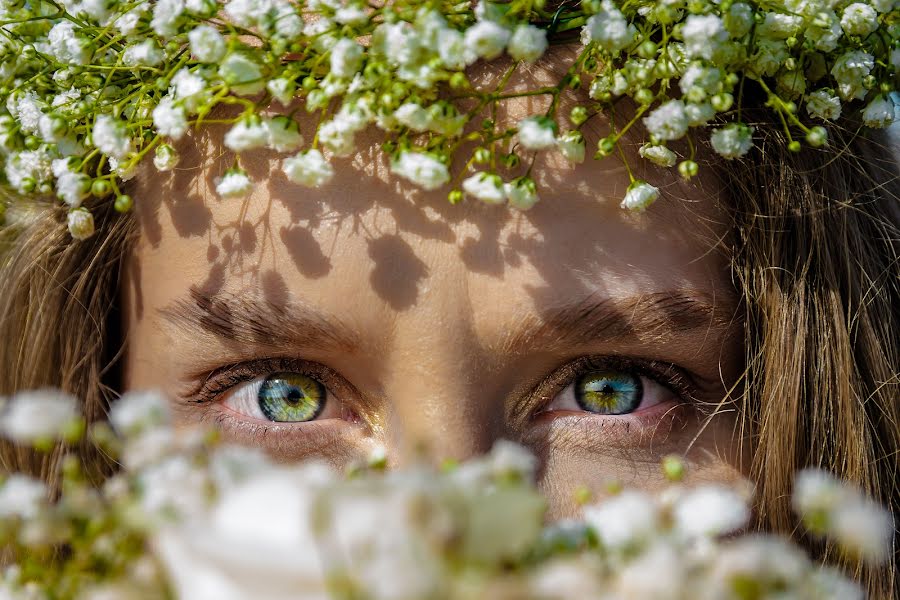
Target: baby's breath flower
879,112
527,43
283,134
625,521
146,53
247,134
412,115
640,195
609,29
207,44
703,36
189,88
710,511
487,39
780,26
170,119
425,170
823,104
521,193
111,137
732,141
242,73
165,158
308,168
657,154
537,133
849,70
234,184
65,45
71,186
698,113
668,121
859,19
346,58
21,496
39,415
739,19
455,53
165,17
571,146
487,187
282,89
136,411
81,223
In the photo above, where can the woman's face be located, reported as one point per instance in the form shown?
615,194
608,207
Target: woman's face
367,313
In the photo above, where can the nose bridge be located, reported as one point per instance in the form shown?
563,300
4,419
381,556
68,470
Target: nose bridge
440,402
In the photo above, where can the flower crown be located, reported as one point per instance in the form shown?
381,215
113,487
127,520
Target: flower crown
91,87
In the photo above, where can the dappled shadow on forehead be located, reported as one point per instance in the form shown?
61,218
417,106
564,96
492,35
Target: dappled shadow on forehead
365,200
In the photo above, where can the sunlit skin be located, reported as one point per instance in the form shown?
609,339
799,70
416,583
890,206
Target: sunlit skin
439,329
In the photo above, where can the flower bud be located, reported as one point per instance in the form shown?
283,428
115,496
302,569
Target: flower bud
81,223
123,203
817,137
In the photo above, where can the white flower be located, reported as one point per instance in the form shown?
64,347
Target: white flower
711,510
521,193
127,22
609,29
346,58
824,105
527,43
859,19
165,17
698,77
28,112
571,146
189,88
779,26
732,141
282,89
422,169
739,19
624,521
165,158
351,15
234,184
659,155
338,135
698,114
537,133
284,134
80,223
824,31
668,121
455,53
236,550
487,39
657,574
703,36
412,115
21,496
123,172
65,45
207,44
487,187
71,186
879,112
137,411
38,415
111,137
146,53
31,167
862,528
242,74
170,120
308,168
247,134
849,70
639,196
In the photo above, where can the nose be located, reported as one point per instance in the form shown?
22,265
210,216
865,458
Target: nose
440,401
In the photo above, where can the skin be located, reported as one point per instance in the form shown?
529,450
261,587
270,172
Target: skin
437,326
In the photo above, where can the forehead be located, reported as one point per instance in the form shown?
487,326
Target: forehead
373,249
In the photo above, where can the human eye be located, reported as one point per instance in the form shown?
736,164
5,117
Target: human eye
274,400
615,391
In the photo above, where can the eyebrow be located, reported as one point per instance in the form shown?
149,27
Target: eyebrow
647,318
244,319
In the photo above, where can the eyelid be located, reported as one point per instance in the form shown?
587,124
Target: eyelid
225,378
676,379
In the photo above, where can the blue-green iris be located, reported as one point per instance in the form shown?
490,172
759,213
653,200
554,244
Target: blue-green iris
291,397
608,392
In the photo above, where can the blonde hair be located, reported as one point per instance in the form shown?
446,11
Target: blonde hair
814,249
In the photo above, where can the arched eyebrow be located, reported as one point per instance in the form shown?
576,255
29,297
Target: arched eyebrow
244,319
659,317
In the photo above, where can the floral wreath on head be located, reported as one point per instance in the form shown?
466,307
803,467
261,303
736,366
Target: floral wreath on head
90,88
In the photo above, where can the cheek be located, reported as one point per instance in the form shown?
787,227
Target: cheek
583,457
